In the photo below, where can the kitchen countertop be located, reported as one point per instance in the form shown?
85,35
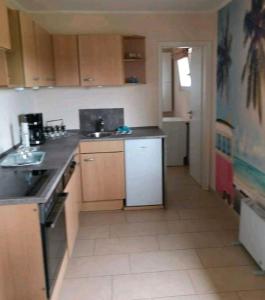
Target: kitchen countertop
59,153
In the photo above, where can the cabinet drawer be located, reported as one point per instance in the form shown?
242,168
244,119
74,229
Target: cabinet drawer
102,147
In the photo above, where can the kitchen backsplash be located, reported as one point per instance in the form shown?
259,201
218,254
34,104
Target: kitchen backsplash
113,118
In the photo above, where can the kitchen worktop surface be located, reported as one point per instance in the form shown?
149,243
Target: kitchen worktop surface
59,153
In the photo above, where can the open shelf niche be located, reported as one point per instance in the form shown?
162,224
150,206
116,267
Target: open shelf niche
134,59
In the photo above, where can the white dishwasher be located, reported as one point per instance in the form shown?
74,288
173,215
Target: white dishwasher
144,172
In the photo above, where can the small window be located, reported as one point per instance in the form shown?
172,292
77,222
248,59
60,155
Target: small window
184,72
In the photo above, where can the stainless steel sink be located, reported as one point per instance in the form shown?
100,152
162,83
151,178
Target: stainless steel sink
99,135
18,160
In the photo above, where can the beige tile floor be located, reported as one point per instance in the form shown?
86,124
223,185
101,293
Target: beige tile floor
182,253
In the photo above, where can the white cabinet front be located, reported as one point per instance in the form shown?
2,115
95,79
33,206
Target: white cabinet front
143,159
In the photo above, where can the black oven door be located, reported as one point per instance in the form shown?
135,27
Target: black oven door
54,241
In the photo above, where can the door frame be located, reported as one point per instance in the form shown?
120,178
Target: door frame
208,105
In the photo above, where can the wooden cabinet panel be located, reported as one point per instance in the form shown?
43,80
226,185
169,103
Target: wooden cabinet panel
29,50
44,56
72,207
30,61
3,69
21,259
103,176
15,56
66,60
101,146
4,32
101,60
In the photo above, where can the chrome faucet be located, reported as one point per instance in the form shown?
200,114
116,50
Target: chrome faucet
100,125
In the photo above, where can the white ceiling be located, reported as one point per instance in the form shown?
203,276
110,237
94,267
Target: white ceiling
120,5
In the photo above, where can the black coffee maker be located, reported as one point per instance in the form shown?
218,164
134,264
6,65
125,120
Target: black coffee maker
36,133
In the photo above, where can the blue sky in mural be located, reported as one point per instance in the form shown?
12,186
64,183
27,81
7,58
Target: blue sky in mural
249,133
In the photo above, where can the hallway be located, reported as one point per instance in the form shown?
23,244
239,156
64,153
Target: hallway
182,253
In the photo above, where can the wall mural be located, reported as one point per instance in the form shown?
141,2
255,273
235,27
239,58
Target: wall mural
240,124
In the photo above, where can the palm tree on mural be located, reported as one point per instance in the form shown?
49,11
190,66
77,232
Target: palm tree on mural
254,68
224,59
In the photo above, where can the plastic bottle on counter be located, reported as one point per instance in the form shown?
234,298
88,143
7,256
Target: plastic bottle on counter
25,134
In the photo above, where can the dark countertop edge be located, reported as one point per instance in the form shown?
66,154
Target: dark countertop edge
3,154
138,133
48,190
56,178
122,137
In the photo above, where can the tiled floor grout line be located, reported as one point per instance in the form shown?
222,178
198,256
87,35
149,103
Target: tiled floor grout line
200,259
161,271
130,264
158,243
112,288
141,273
94,247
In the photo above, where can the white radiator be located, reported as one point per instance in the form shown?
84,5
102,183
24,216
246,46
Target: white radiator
252,230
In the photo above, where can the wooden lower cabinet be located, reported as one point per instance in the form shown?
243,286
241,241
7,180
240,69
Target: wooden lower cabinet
72,207
21,259
103,181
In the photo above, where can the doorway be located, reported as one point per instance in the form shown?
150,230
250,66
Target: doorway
185,107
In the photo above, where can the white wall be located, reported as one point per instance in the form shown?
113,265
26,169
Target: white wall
138,102
141,103
12,104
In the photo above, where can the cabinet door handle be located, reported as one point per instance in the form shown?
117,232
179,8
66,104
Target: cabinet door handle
36,78
89,159
89,79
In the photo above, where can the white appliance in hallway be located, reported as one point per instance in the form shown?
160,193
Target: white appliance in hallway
176,131
143,161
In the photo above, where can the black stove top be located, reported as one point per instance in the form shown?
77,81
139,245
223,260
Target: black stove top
24,183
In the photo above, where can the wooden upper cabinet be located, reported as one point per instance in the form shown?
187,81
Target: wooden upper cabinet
22,59
66,60
101,61
29,49
4,82
4,31
44,56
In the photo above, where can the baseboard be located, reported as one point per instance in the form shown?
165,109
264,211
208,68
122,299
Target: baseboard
147,207
102,205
